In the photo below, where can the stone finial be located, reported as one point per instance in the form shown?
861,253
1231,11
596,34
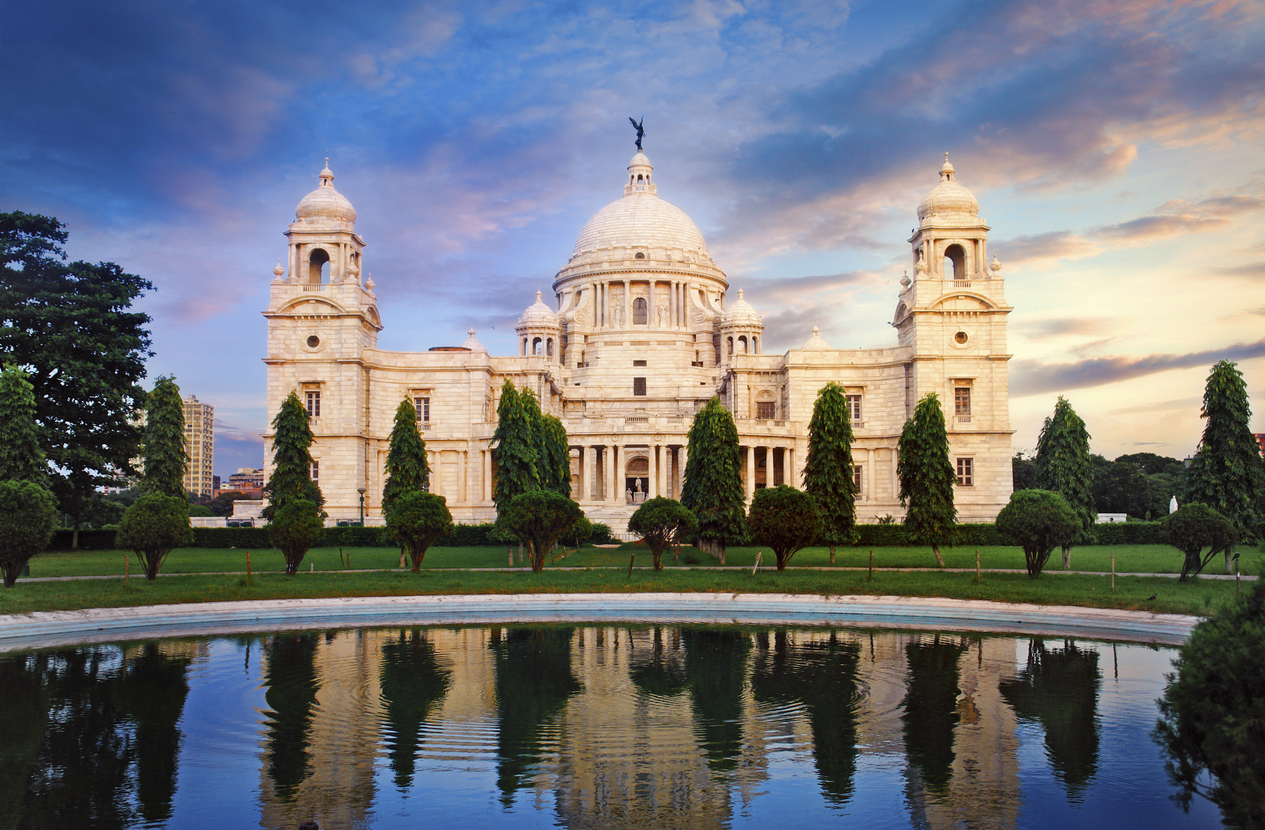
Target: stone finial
278,272
369,281
996,266
905,281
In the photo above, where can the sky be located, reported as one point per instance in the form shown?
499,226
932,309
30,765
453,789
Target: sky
1116,147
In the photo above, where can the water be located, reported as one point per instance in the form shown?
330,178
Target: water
588,726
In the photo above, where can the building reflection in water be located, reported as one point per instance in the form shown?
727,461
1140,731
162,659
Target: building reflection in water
602,726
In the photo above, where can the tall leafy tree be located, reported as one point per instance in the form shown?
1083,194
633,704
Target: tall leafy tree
70,325
1037,521
1064,467
1226,473
164,440
291,478
540,518
417,520
713,480
28,510
407,468
21,458
661,522
515,452
555,456
926,477
828,470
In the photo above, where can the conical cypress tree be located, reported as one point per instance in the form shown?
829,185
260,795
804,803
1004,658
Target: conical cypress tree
713,480
291,478
515,452
1227,473
1063,467
163,441
555,456
927,477
407,468
828,469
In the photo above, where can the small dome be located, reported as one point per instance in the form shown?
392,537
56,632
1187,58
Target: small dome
815,343
538,314
325,207
948,199
741,313
472,344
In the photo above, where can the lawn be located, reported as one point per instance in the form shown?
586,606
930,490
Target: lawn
325,574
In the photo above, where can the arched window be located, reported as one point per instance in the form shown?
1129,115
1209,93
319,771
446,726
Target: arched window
535,347
742,345
316,272
639,311
957,256
549,347
755,344
730,341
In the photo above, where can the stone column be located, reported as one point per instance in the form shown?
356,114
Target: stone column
590,473
627,304
436,471
462,498
682,460
794,480
652,480
652,312
617,474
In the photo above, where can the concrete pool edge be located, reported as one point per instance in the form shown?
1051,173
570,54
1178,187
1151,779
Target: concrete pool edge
44,629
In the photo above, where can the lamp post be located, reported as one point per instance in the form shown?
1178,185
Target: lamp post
361,491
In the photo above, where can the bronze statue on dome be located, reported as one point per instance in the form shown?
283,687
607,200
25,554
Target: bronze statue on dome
640,131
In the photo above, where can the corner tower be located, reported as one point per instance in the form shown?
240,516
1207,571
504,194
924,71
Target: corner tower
322,315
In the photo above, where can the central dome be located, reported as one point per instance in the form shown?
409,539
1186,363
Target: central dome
640,219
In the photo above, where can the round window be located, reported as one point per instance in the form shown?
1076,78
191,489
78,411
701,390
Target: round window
640,255
313,342
960,337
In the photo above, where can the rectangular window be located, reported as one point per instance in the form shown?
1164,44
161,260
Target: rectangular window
639,363
314,472
314,404
962,401
765,410
854,407
423,409
856,477
639,386
966,472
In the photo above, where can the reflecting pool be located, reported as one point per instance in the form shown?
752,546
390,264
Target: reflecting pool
587,726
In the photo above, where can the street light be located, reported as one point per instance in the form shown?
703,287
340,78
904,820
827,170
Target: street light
361,491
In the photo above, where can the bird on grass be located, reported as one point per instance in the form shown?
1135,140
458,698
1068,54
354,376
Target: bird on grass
1151,597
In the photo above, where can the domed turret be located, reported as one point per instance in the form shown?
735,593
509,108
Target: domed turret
949,201
815,343
325,208
740,329
539,331
472,344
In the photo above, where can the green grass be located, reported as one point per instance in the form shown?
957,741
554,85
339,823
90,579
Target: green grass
605,570
1129,559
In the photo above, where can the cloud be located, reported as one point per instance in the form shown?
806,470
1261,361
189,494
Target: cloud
1064,326
1031,377
1252,270
1181,217
1054,245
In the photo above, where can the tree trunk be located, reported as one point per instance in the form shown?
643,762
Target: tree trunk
939,559
152,564
403,556
417,561
12,568
1067,557
1228,560
832,554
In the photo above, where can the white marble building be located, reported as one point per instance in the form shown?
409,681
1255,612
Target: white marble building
639,335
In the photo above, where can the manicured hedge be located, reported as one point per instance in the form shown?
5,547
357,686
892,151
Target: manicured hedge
231,537
88,540
1128,533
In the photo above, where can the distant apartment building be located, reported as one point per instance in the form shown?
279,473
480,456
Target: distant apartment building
199,433
1260,440
247,480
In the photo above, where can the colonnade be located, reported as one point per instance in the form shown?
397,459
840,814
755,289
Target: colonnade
677,312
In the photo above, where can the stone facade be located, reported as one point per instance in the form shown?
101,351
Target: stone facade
638,339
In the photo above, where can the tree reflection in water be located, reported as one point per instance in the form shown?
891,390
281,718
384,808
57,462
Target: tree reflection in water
1058,689
716,665
661,673
823,676
931,713
412,682
290,677
90,736
533,682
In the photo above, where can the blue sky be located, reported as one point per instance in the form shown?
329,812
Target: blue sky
1117,149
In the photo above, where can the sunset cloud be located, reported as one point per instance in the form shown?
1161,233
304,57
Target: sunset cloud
1031,377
